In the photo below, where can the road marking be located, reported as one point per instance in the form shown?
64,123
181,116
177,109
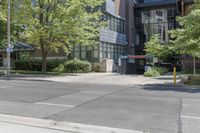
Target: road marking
52,104
5,87
190,117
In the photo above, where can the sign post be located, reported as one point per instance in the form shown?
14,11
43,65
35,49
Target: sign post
8,41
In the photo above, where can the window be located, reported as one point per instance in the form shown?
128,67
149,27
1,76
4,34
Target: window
137,39
156,21
159,13
96,51
77,51
83,52
111,51
146,17
114,23
89,54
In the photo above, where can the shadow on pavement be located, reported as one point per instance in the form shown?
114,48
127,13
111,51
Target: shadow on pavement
171,87
167,78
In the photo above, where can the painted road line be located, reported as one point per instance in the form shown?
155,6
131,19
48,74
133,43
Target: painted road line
52,104
63,126
1,87
190,117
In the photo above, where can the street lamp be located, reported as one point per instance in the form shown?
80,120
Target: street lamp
8,40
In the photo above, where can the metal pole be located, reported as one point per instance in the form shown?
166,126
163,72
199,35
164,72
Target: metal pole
8,40
174,73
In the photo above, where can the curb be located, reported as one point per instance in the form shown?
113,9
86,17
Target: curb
62,126
24,79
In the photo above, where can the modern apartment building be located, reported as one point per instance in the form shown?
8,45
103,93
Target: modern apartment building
131,24
154,17
114,41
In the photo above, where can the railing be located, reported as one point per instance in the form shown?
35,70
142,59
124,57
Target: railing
150,1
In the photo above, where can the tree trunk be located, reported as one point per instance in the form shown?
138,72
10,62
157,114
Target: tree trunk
44,55
194,65
44,62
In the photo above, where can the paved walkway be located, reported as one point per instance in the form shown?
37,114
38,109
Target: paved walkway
107,78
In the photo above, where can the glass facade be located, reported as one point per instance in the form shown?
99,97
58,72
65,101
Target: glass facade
116,27
114,23
155,21
112,40
90,53
101,51
112,51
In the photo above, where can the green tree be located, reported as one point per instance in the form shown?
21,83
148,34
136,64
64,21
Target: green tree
187,37
2,22
155,48
53,24
15,28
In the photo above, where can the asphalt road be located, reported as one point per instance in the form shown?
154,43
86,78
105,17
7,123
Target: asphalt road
152,108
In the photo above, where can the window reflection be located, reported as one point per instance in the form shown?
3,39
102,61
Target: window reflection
158,21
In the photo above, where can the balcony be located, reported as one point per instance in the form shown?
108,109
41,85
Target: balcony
109,7
188,1
153,3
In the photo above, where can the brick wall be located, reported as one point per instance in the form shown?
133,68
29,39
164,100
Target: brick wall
187,62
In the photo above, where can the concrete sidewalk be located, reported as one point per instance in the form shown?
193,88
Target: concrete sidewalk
19,124
16,128
107,78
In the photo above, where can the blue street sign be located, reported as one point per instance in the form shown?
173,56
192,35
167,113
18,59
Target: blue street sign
9,50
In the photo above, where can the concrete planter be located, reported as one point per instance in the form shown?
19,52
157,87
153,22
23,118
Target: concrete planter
193,80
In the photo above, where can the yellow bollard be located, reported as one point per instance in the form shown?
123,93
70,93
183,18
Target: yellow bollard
174,73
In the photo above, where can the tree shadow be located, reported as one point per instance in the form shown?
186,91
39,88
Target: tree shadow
33,77
171,87
167,78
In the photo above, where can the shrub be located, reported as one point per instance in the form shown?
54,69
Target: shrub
161,70
60,68
74,66
52,64
36,64
31,65
156,71
151,73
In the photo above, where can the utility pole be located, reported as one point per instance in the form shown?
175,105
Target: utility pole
8,41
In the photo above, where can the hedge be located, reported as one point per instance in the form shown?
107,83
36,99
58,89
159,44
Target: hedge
36,64
161,70
74,66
